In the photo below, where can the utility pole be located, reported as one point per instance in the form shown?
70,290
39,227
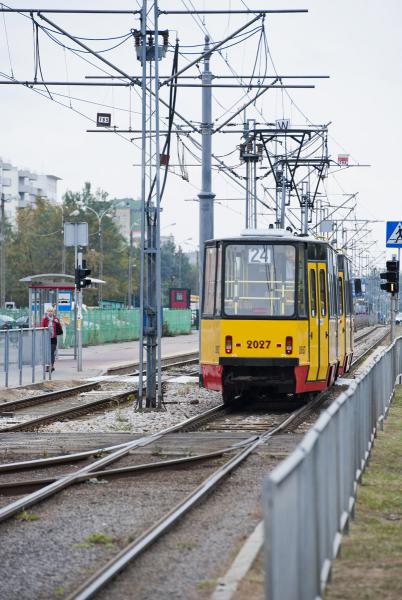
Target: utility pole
206,197
149,51
79,316
100,233
130,268
2,255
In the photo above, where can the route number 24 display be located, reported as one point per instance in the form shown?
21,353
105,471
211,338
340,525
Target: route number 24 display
259,254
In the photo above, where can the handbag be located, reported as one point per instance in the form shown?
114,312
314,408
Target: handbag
59,328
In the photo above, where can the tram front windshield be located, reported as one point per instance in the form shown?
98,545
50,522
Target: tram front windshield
260,280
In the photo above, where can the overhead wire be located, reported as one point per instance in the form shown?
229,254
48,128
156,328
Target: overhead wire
7,42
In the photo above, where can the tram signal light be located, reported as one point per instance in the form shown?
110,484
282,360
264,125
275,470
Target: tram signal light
81,276
392,277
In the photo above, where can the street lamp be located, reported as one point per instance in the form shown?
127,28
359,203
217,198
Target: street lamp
100,216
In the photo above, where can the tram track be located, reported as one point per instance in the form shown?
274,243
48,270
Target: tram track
80,407
238,453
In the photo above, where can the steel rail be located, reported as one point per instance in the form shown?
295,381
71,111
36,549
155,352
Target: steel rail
369,349
59,485
11,488
48,396
75,411
82,409
99,579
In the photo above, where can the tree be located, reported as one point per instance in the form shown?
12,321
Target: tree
34,244
176,270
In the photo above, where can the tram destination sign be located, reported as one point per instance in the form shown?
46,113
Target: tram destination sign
394,234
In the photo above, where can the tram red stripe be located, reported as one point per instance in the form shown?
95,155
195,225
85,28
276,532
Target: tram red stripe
212,377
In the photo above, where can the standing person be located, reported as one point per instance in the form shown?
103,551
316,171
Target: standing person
53,324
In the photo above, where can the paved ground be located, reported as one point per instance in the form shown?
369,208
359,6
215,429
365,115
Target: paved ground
96,359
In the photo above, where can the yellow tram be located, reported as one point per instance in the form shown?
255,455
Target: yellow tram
276,314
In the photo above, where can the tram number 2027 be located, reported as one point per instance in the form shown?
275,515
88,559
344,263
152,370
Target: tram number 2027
258,343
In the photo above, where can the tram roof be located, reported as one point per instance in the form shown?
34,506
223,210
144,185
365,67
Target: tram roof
275,235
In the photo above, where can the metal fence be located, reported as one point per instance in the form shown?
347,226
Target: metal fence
22,350
309,498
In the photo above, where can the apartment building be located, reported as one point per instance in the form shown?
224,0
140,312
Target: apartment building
21,186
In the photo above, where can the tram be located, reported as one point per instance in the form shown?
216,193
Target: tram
276,314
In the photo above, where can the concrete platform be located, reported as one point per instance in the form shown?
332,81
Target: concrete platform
96,359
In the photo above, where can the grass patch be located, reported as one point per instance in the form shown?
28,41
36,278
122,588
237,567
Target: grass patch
96,539
27,516
206,585
59,591
371,556
186,545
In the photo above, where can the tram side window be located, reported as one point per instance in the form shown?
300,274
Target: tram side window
340,296
313,294
209,281
332,287
301,283
323,294
218,292
348,305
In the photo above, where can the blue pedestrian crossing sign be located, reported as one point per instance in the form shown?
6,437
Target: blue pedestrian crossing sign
394,234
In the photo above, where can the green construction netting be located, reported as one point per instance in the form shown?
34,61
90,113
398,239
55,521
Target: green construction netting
113,325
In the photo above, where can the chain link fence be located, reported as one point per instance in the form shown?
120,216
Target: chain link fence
309,498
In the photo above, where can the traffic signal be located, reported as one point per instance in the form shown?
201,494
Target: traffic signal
392,277
81,275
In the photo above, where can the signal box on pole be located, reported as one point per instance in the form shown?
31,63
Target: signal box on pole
392,277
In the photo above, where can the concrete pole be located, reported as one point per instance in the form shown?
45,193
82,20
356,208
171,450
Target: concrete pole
206,197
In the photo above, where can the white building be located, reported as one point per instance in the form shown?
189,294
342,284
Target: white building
21,186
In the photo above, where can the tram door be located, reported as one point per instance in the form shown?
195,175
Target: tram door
323,320
319,347
341,318
314,319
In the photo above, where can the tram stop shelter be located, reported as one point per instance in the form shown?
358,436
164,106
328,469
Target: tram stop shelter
50,289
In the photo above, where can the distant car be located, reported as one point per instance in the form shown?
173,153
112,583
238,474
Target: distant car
6,322
398,318
22,322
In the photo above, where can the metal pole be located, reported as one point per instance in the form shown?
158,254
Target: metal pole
157,216
248,178
283,198
130,269
63,248
75,289
399,270
255,193
100,232
79,317
206,197
143,193
2,256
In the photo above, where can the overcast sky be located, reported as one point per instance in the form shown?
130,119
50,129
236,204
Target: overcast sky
356,42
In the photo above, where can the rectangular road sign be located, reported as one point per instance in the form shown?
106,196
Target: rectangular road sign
394,234
76,234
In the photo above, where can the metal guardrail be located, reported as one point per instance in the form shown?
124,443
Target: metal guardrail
27,348
309,498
